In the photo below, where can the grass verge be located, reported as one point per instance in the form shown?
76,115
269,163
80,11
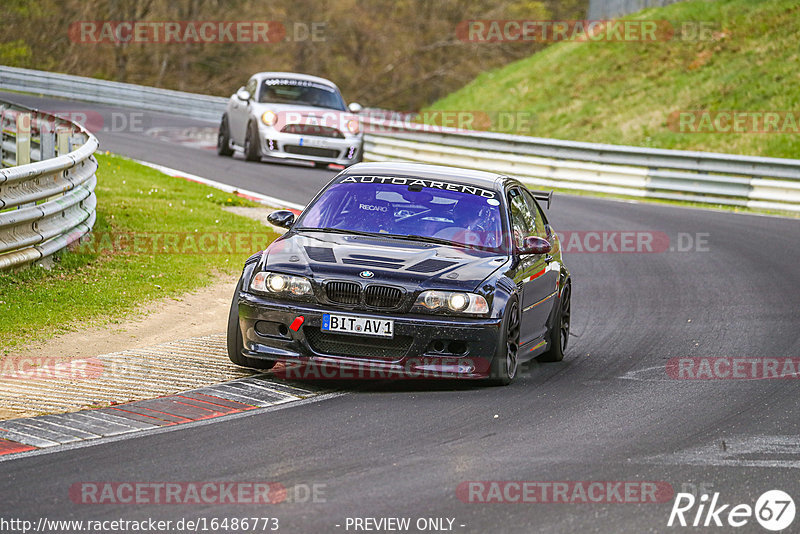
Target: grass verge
744,59
156,236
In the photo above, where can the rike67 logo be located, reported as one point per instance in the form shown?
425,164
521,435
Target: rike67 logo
774,510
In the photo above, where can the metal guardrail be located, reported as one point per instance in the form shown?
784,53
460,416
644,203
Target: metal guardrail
703,177
47,198
83,89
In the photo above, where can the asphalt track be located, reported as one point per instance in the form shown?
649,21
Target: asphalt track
608,412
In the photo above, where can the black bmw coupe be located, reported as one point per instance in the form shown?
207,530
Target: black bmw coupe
407,270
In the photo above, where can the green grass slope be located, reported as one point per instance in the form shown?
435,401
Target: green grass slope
625,92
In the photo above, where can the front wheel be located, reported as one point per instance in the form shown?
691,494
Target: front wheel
224,139
235,344
559,335
505,362
251,142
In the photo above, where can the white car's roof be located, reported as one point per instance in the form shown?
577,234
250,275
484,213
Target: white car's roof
294,75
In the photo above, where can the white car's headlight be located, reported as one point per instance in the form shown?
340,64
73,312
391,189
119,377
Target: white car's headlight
353,126
452,302
269,118
281,284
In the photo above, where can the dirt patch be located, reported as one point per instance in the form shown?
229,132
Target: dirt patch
200,313
257,214
9,413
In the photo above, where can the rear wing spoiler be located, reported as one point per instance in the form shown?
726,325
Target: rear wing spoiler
543,196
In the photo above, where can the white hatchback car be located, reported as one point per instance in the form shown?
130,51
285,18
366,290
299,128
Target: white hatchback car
291,116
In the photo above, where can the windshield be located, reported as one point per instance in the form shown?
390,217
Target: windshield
301,93
453,215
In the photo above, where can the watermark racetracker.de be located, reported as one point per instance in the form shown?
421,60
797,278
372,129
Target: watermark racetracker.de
734,122
206,242
216,242
631,241
139,493
50,368
377,121
195,31
733,368
113,122
551,31
564,492
187,525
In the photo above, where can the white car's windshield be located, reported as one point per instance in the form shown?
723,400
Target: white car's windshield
450,216
300,92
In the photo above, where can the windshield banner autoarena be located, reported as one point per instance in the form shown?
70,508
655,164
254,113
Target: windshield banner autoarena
412,182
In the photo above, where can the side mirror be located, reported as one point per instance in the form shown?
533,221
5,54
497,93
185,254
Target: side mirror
282,218
243,94
355,107
534,244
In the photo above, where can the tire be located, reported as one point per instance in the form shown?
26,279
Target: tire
235,345
506,359
251,150
559,337
224,138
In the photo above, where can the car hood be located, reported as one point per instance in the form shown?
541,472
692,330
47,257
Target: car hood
292,114
405,263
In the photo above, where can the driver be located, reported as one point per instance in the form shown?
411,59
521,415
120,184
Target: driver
472,225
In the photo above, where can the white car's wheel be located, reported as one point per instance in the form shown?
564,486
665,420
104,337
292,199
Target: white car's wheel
251,142
224,138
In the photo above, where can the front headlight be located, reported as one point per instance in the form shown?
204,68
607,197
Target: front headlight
281,284
269,118
451,302
353,127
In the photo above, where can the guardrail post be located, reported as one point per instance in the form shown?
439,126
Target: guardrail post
2,135
62,141
23,138
47,141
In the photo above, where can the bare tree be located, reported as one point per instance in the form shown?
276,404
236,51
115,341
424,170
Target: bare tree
400,54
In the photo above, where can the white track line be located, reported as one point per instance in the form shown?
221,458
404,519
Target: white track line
252,195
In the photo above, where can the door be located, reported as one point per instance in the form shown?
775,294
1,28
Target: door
543,285
531,268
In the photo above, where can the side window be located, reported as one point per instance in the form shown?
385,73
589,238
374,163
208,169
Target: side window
522,220
539,218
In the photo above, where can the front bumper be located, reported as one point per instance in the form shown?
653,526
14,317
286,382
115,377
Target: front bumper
423,346
276,144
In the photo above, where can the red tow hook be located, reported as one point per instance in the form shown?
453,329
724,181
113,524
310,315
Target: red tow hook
297,323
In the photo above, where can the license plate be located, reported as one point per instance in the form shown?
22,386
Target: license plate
361,326
319,143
